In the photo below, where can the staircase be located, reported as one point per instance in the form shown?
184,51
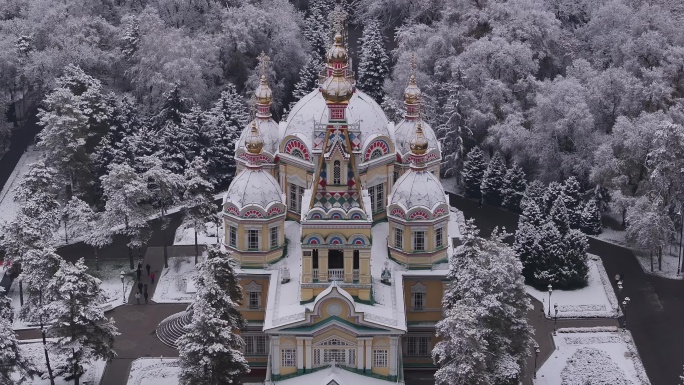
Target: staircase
173,327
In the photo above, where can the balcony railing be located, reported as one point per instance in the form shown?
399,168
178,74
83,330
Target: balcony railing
356,275
315,274
335,274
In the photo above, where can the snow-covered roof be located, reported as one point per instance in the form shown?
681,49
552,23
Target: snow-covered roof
418,187
269,133
340,375
406,129
254,186
312,109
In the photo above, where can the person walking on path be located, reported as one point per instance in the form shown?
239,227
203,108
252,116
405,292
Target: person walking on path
140,264
139,273
145,288
148,269
146,295
140,286
137,297
152,278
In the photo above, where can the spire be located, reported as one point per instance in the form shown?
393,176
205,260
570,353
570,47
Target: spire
337,56
263,91
418,146
412,93
254,142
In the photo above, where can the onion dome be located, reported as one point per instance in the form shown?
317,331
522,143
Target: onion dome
419,143
254,142
412,93
253,186
263,92
337,54
418,187
337,88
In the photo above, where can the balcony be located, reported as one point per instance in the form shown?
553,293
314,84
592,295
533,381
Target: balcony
315,274
356,275
335,274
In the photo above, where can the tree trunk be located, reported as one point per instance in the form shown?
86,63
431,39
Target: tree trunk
660,258
97,260
196,247
163,229
21,293
624,219
66,233
651,252
77,376
42,331
130,251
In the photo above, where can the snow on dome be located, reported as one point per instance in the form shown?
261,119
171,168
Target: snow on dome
312,108
406,130
253,186
418,188
269,133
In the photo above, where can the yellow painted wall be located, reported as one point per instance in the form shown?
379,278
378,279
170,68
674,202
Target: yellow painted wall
382,343
433,300
254,314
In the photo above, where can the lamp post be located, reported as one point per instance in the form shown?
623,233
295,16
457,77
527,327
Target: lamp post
619,285
555,317
123,286
625,303
550,291
681,235
536,354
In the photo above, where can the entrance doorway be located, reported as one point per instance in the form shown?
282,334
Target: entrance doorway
335,259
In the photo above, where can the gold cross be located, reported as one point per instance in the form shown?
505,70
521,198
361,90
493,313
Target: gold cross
263,63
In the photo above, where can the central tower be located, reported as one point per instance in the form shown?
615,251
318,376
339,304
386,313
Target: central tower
336,224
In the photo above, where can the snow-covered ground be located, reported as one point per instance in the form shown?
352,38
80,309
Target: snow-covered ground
34,350
669,266
109,274
450,185
154,371
592,356
597,299
613,236
172,284
186,235
8,207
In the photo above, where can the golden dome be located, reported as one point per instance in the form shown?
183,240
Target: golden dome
254,142
419,143
337,88
263,92
337,53
412,92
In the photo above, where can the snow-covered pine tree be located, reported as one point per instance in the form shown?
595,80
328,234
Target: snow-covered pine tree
473,171
308,79
191,136
316,27
82,332
514,187
493,181
210,353
172,111
130,39
225,122
525,243
373,61
199,199
37,267
534,193
72,213
39,184
483,340
14,367
559,216
451,133
591,218
572,197
126,193
553,191
572,267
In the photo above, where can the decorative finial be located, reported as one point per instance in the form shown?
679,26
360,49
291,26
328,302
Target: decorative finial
412,93
413,65
254,142
263,64
263,92
338,18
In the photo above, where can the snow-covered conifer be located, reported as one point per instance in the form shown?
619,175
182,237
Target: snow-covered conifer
559,216
591,218
534,193
373,61
317,29
553,191
225,121
210,353
573,268
485,337
473,171
172,111
514,187
493,181
451,134
14,368
37,268
199,199
308,79
82,332
126,193
572,197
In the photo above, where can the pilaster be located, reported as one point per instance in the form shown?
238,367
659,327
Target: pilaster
393,359
275,355
309,353
300,355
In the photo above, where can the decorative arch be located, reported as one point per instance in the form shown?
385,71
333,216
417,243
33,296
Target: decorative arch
356,213
378,145
440,211
275,210
232,210
252,213
313,239
398,212
295,147
419,288
358,240
418,215
336,239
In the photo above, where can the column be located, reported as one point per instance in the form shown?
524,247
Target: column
369,354
393,359
359,354
348,265
300,355
309,353
275,355
322,265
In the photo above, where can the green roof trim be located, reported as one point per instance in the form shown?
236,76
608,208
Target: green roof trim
328,320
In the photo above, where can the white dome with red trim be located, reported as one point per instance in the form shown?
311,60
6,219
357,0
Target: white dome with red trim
312,108
418,187
406,130
253,186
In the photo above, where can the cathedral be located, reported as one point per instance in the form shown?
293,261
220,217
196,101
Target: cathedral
342,232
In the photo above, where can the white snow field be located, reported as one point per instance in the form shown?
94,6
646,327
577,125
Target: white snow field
34,350
157,371
597,299
8,207
175,281
597,356
186,235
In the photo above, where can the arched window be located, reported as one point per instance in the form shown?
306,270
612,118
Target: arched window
297,153
337,172
376,153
